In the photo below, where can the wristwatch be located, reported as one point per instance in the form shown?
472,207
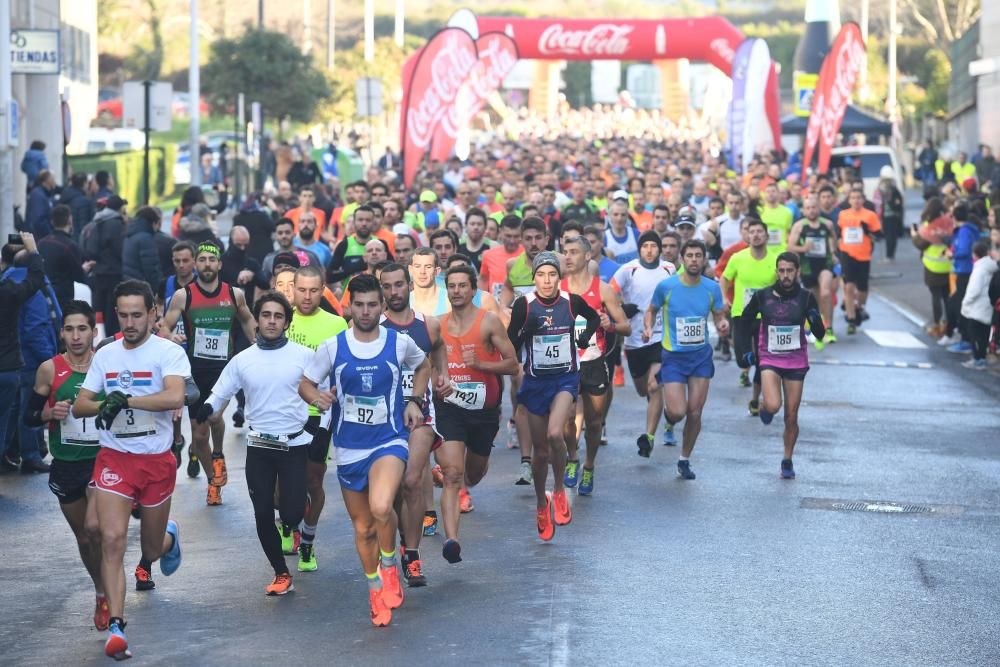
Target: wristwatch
415,399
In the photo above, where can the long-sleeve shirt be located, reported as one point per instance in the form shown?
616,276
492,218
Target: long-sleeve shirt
12,295
63,263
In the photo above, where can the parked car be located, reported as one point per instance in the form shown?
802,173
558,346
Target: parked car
867,162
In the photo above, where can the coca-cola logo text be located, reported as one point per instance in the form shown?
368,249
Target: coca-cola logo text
722,47
604,39
449,68
497,57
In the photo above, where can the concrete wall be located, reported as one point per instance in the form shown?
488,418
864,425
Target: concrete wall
989,85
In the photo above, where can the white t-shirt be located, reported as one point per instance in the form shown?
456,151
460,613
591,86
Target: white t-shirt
636,284
270,379
137,372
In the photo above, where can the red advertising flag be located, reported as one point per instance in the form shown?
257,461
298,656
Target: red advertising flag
442,66
497,57
833,93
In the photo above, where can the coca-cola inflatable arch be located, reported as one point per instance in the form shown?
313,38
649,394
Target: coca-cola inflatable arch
712,39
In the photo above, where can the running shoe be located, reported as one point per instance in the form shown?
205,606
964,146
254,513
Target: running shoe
727,354
684,470
949,340
669,439
975,364
863,314
830,338
524,476
512,441
438,476
787,471
753,408
290,539
238,418
392,591
819,344
143,579
430,526
452,551
543,519
413,572
619,376
465,501
102,614
745,378
852,329
562,512
116,645
586,483
961,347
214,495
571,475
220,476
193,466
307,558
381,614
281,585
645,444
178,449
170,561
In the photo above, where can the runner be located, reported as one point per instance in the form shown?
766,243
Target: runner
493,272
748,270
269,372
621,238
543,322
858,226
813,238
210,309
481,299
685,299
142,377
363,365
311,326
478,352
475,244
72,444
777,217
784,309
595,377
426,333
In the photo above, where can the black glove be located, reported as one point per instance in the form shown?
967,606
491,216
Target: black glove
191,392
582,344
204,412
630,309
113,403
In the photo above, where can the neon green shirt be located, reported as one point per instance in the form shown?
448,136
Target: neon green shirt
779,223
313,330
749,275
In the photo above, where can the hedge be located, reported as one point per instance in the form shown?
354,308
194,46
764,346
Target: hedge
125,168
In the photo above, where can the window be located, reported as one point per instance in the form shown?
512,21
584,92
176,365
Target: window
75,53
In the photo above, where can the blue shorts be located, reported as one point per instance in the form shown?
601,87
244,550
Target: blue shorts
679,366
537,393
354,476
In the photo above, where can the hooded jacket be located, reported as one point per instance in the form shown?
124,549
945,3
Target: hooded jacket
140,257
102,242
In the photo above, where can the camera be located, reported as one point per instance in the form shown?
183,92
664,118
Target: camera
15,239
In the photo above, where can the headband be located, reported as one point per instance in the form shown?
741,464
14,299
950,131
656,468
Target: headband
210,248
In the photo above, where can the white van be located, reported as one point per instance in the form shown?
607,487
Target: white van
867,161
103,140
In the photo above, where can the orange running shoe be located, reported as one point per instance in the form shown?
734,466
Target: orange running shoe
414,574
562,511
546,529
143,579
282,584
619,376
381,614
392,591
214,495
220,476
465,501
102,615
437,476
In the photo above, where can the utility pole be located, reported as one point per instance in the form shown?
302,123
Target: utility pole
260,14
369,31
194,92
6,150
893,30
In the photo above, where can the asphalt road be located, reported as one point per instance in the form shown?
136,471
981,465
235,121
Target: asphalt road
737,567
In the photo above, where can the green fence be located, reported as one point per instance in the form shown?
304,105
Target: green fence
125,168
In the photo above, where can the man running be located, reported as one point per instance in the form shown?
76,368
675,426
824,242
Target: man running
364,366
595,379
269,372
493,271
543,323
142,378
182,256
686,300
813,239
73,442
858,227
210,309
784,309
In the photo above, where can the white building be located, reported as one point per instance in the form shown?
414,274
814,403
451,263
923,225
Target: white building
988,85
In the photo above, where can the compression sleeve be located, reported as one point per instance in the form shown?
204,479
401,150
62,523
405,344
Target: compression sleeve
583,309
813,317
33,415
518,315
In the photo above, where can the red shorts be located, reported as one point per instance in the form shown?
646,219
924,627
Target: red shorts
146,478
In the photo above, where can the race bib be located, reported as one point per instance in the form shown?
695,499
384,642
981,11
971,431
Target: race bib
133,424
818,247
784,339
267,441
853,235
748,292
690,330
497,289
211,344
365,410
552,351
468,395
407,384
521,290
774,237
78,432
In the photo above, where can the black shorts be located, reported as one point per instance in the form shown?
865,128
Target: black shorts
476,428
856,272
204,379
642,358
612,359
794,374
810,278
319,448
69,480
594,377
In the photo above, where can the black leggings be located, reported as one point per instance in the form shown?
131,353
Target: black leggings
265,468
955,319
892,228
980,335
939,302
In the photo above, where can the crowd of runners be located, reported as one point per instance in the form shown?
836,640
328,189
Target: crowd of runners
383,335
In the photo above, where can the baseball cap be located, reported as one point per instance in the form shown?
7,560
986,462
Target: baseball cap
546,257
428,196
287,259
969,185
619,194
115,203
684,219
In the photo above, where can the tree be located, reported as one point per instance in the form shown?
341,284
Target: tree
351,66
943,22
145,62
268,68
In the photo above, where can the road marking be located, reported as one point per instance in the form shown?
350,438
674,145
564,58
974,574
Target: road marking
903,339
924,366
905,312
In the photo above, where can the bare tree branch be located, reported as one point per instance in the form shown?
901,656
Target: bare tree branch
942,11
923,22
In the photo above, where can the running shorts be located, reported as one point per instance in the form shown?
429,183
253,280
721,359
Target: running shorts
537,393
476,428
856,272
146,478
642,358
69,480
354,476
679,366
794,374
594,377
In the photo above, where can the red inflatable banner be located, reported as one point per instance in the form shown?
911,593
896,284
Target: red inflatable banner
497,57
833,93
438,72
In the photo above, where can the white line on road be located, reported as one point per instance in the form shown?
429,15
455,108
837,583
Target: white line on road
889,338
905,312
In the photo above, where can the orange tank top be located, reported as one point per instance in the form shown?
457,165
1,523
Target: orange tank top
474,389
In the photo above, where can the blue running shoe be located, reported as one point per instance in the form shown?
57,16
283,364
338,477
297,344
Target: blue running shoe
452,551
586,483
962,347
116,645
669,439
170,561
787,471
571,475
684,470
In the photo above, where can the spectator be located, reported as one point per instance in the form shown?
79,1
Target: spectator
239,269
197,226
306,239
192,195
284,234
930,238
966,234
388,160
39,206
985,163
80,205
63,257
38,322
210,174
140,257
105,185
103,242
330,168
977,308
34,161
258,222
889,205
304,170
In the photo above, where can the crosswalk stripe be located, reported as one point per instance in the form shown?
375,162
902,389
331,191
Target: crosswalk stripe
921,365
891,338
